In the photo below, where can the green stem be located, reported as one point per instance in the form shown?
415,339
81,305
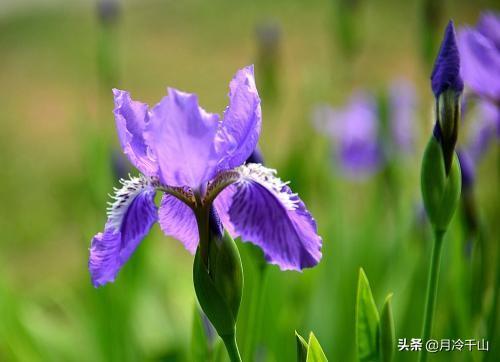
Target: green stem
432,287
232,347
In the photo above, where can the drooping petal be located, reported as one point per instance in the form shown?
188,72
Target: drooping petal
131,118
181,136
240,128
130,217
266,213
222,203
178,221
446,72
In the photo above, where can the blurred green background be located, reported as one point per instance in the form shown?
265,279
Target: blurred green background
58,63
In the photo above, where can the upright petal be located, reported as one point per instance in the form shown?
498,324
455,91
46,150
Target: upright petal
178,221
131,118
266,213
181,136
446,72
240,128
130,218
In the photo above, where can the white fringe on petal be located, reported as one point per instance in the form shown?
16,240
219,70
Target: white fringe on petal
256,172
124,196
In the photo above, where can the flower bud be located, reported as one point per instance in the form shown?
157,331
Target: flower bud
447,86
219,285
440,191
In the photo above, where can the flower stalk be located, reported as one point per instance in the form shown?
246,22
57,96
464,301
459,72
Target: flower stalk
432,287
441,179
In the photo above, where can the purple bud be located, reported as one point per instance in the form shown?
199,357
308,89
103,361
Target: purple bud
446,72
108,10
214,223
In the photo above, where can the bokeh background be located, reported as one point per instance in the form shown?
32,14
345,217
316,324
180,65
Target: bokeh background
60,158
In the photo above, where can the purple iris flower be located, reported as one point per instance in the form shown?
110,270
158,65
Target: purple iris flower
197,160
354,130
480,57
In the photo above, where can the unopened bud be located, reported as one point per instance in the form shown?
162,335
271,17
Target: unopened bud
219,284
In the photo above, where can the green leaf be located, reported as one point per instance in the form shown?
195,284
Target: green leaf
314,351
301,348
367,321
386,332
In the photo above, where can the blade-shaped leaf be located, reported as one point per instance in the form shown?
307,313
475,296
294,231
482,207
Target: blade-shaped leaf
301,348
314,351
367,321
386,332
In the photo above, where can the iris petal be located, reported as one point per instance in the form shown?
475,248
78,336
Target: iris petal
181,135
131,118
240,128
265,212
130,218
178,221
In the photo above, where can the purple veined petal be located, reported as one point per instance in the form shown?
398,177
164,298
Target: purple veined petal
480,63
181,136
266,213
222,203
178,221
130,217
240,127
402,117
131,118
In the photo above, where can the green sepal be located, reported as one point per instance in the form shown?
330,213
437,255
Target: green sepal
386,332
367,321
314,351
301,348
440,192
448,117
219,288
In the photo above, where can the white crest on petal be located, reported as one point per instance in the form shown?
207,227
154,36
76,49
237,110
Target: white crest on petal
124,196
256,172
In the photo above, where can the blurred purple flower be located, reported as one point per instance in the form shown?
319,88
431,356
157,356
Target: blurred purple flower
446,72
196,159
480,57
483,131
108,10
402,114
354,130
467,168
